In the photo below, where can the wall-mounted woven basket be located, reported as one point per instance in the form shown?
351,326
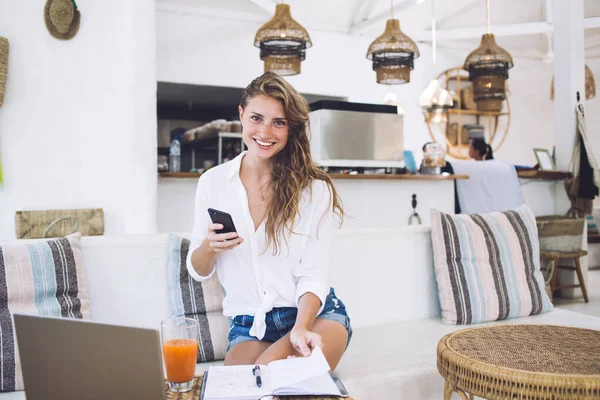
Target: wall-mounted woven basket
56,223
3,66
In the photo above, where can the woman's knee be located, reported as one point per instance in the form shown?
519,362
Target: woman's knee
335,339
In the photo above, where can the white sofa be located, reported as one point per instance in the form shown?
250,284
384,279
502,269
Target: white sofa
384,276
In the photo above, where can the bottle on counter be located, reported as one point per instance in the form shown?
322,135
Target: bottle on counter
175,156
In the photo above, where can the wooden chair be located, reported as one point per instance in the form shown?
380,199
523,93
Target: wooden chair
556,256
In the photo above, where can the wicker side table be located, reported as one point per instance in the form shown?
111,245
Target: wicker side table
521,362
194,394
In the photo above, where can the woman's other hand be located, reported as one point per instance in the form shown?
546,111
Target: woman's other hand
220,242
304,341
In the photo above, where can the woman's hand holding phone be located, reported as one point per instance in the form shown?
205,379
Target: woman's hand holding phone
220,242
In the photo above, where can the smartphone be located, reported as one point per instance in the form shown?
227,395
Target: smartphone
223,218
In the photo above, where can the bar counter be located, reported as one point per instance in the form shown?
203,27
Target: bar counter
369,200
343,176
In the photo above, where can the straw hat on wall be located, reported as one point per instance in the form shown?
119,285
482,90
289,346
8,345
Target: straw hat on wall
62,18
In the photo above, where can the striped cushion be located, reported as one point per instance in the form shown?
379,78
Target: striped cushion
202,301
488,266
42,278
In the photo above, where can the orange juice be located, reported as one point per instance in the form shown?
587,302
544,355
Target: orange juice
180,359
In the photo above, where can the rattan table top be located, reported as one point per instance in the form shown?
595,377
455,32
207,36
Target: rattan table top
194,394
497,360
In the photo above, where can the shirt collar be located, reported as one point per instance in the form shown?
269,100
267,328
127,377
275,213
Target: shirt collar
236,163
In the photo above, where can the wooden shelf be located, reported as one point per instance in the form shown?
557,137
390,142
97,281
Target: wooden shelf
544,175
421,177
179,174
475,112
343,176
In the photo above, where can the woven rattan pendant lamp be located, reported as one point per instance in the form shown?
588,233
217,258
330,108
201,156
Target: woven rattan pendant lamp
488,67
393,54
590,85
282,42
435,99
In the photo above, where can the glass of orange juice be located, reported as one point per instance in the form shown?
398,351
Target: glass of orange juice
180,349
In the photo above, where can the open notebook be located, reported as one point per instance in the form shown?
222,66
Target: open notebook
293,376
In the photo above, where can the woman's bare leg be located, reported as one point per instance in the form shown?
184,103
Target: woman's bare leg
246,353
335,338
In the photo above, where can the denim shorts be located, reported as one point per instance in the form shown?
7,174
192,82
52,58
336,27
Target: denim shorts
281,320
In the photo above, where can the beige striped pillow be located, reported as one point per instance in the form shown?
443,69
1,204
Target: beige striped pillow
42,278
488,266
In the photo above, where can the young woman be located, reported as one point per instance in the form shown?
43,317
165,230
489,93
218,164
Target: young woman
479,150
274,270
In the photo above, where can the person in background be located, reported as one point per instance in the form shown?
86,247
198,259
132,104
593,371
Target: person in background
479,150
275,273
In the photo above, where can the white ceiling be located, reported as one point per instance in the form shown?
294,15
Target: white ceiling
367,18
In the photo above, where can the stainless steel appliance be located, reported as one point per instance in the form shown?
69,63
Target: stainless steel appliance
347,134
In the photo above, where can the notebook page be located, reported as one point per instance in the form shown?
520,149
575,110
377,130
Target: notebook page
284,373
234,382
318,385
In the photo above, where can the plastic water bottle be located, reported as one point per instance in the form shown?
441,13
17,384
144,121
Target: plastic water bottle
175,156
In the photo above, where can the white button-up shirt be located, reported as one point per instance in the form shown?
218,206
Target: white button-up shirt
255,280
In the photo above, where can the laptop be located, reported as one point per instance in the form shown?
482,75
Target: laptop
71,359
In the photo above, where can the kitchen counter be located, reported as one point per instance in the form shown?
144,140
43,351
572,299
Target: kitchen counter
343,176
370,201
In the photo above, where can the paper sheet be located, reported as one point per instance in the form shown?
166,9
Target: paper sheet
284,373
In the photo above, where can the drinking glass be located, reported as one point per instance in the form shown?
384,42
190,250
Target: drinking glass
180,349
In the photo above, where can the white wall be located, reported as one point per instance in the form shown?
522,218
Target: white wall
78,125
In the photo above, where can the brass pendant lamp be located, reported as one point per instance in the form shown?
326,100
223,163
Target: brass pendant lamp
435,99
488,67
590,85
393,54
282,42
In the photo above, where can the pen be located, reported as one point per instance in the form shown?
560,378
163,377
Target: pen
256,372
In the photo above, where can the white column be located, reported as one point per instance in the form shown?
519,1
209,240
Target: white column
569,78
139,146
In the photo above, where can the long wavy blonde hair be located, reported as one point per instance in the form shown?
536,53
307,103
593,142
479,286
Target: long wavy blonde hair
293,168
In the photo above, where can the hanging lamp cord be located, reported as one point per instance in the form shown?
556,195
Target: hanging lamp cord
392,7
487,9
433,34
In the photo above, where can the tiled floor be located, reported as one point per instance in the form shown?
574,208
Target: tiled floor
577,303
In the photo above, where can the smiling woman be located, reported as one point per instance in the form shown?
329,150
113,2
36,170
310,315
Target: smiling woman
274,269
